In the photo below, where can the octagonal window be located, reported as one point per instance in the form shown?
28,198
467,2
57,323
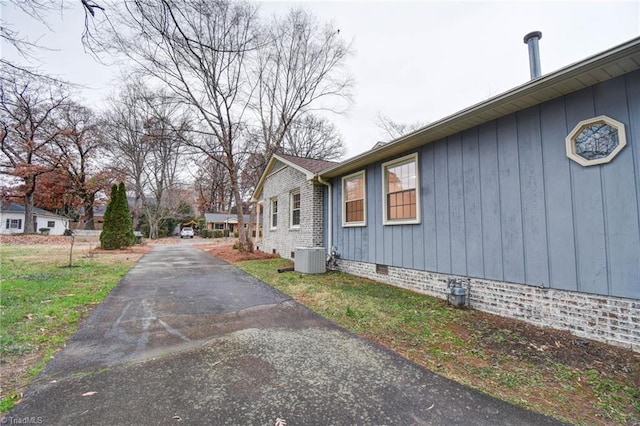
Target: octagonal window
596,141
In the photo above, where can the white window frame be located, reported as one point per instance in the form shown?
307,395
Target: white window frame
271,213
363,222
11,222
398,161
51,223
570,140
291,209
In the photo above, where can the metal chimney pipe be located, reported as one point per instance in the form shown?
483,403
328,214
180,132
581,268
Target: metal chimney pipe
531,40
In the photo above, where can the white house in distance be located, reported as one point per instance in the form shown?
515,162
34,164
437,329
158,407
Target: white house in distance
12,220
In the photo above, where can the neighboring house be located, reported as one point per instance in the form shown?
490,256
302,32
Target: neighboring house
227,221
292,204
12,220
98,217
530,199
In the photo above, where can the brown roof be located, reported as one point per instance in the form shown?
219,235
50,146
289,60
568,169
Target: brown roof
310,164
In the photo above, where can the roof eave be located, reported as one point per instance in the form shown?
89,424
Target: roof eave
309,175
260,185
545,87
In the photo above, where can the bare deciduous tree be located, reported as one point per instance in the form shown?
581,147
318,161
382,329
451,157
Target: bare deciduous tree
314,137
302,68
200,51
217,59
165,134
124,125
26,48
212,187
148,131
393,129
28,130
36,9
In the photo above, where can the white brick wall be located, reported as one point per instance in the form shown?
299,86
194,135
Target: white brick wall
612,320
283,240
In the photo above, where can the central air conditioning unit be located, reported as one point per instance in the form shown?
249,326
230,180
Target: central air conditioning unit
310,260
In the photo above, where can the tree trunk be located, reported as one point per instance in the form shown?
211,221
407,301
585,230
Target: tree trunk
30,184
87,204
245,244
73,239
153,229
137,208
252,221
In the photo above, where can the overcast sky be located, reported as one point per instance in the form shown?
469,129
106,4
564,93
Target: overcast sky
413,61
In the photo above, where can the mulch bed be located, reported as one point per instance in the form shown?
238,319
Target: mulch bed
226,252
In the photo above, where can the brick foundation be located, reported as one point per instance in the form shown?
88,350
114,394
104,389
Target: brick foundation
612,320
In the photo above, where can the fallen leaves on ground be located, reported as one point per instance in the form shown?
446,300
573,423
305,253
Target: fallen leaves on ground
226,252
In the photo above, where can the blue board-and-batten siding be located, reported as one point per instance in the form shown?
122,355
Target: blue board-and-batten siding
502,201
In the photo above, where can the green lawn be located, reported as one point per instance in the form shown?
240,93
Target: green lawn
42,301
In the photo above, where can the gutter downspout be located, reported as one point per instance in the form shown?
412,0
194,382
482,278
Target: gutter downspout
258,239
329,213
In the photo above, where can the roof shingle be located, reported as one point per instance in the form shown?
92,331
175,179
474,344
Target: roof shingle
310,164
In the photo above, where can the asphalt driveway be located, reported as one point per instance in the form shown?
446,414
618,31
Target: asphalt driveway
186,338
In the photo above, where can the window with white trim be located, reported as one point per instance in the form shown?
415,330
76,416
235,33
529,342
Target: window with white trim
401,189
14,223
295,209
354,203
274,213
51,224
596,141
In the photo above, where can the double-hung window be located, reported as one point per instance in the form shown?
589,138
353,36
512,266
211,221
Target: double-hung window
14,223
274,213
354,207
401,190
294,204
